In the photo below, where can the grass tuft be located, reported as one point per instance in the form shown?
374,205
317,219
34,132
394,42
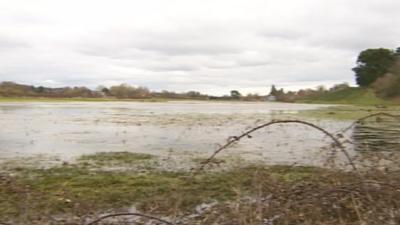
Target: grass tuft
116,157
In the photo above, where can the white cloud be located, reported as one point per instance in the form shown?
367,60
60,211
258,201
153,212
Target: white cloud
206,45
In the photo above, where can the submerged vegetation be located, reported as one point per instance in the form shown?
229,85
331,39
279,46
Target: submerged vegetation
120,157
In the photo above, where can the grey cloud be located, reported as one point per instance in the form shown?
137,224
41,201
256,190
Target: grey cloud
187,48
8,43
183,47
356,38
171,67
179,42
282,34
236,64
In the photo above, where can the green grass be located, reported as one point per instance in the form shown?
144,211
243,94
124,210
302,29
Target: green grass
71,189
30,196
353,95
119,157
348,112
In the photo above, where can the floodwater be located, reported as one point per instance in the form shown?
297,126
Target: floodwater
65,131
377,135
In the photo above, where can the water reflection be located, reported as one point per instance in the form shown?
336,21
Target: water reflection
380,134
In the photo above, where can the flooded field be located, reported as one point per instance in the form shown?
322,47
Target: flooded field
176,130
72,163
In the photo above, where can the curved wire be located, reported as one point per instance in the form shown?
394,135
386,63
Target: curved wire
247,134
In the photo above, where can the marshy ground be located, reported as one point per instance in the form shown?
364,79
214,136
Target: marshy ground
245,194
69,164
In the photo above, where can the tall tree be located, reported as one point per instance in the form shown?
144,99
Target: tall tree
235,94
388,86
372,64
273,91
397,52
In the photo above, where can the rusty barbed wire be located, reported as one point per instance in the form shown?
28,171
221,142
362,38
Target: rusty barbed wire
342,131
235,139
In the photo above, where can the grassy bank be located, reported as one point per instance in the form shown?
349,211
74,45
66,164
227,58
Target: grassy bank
348,112
353,95
348,96
244,195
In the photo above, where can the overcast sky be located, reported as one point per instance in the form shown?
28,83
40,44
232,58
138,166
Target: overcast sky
211,46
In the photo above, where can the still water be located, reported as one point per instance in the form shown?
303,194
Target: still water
66,131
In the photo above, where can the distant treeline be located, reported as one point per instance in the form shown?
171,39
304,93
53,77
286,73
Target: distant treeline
304,94
126,91
123,91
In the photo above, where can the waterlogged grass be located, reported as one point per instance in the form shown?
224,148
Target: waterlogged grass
71,189
347,112
353,96
201,160
244,195
116,157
